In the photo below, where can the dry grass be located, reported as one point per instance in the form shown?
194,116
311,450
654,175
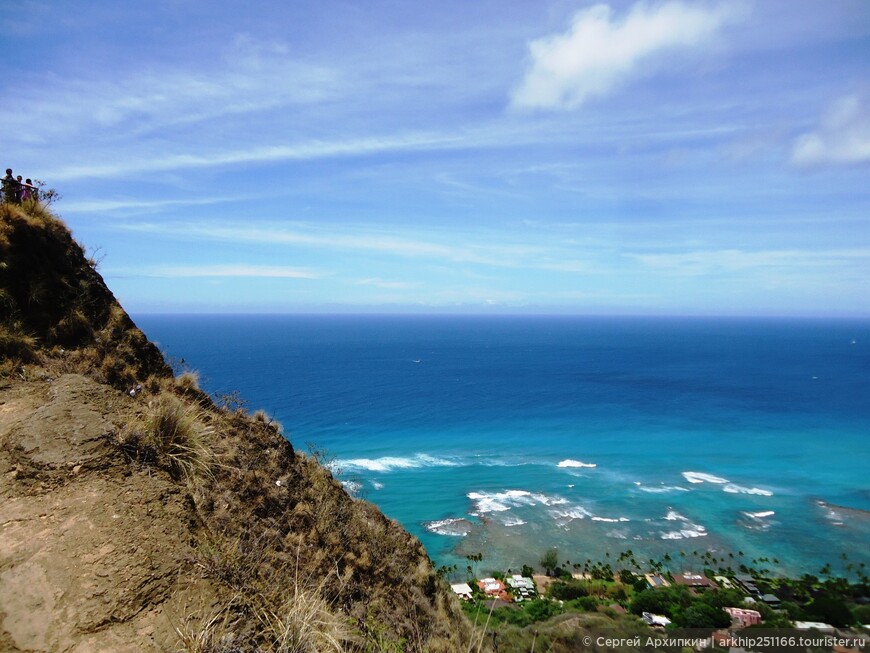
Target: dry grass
172,435
215,631
303,622
178,434
15,345
187,381
280,617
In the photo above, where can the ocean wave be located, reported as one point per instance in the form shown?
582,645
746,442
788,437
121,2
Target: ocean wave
686,530
733,488
501,501
700,477
570,514
575,463
760,515
454,527
513,521
377,485
352,487
611,520
390,463
685,533
757,521
662,489
832,515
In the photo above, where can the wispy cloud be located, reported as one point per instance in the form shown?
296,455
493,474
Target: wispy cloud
140,205
843,137
229,270
310,150
492,254
253,76
599,53
703,262
382,283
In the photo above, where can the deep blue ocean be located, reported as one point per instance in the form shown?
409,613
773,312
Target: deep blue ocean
507,435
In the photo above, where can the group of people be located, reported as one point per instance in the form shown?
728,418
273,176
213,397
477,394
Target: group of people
16,191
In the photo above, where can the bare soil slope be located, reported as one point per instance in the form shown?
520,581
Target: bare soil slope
159,521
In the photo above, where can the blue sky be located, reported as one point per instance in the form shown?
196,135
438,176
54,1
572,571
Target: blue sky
548,156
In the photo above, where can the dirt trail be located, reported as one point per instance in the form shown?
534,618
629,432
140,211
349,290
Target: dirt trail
86,540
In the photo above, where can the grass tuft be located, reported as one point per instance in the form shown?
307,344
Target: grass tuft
188,381
172,436
179,438
15,345
213,632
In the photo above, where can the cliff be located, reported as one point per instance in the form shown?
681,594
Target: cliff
162,521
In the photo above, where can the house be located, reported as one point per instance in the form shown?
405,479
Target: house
814,625
491,586
747,584
462,590
771,599
522,586
695,581
656,580
655,619
724,583
743,616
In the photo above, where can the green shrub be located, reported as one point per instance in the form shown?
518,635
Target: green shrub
585,603
567,590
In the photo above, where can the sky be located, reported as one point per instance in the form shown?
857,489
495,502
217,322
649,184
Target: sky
546,156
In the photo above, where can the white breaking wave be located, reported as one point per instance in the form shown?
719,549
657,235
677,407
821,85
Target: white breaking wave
700,477
611,520
760,515
662,489
732,488
569,514
500,501
377,485
352,487
685,533
513,521
390,463
575,463
686,529
455,527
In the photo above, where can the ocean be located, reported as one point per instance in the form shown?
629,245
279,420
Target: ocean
744,439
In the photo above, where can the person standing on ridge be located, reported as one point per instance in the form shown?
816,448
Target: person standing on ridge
10,187
29,191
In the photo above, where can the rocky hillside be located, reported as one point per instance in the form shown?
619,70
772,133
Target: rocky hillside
156,520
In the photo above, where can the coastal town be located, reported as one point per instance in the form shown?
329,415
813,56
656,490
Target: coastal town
687,610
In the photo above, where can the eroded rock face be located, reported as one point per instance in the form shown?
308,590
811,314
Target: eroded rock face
93,552
70,428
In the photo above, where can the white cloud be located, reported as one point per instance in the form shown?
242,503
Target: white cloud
139,205
843,136
381,283
599,53
307,151
240,270
704,262
254,77
365,240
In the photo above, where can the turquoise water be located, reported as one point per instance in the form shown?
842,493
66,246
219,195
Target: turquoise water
508,435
